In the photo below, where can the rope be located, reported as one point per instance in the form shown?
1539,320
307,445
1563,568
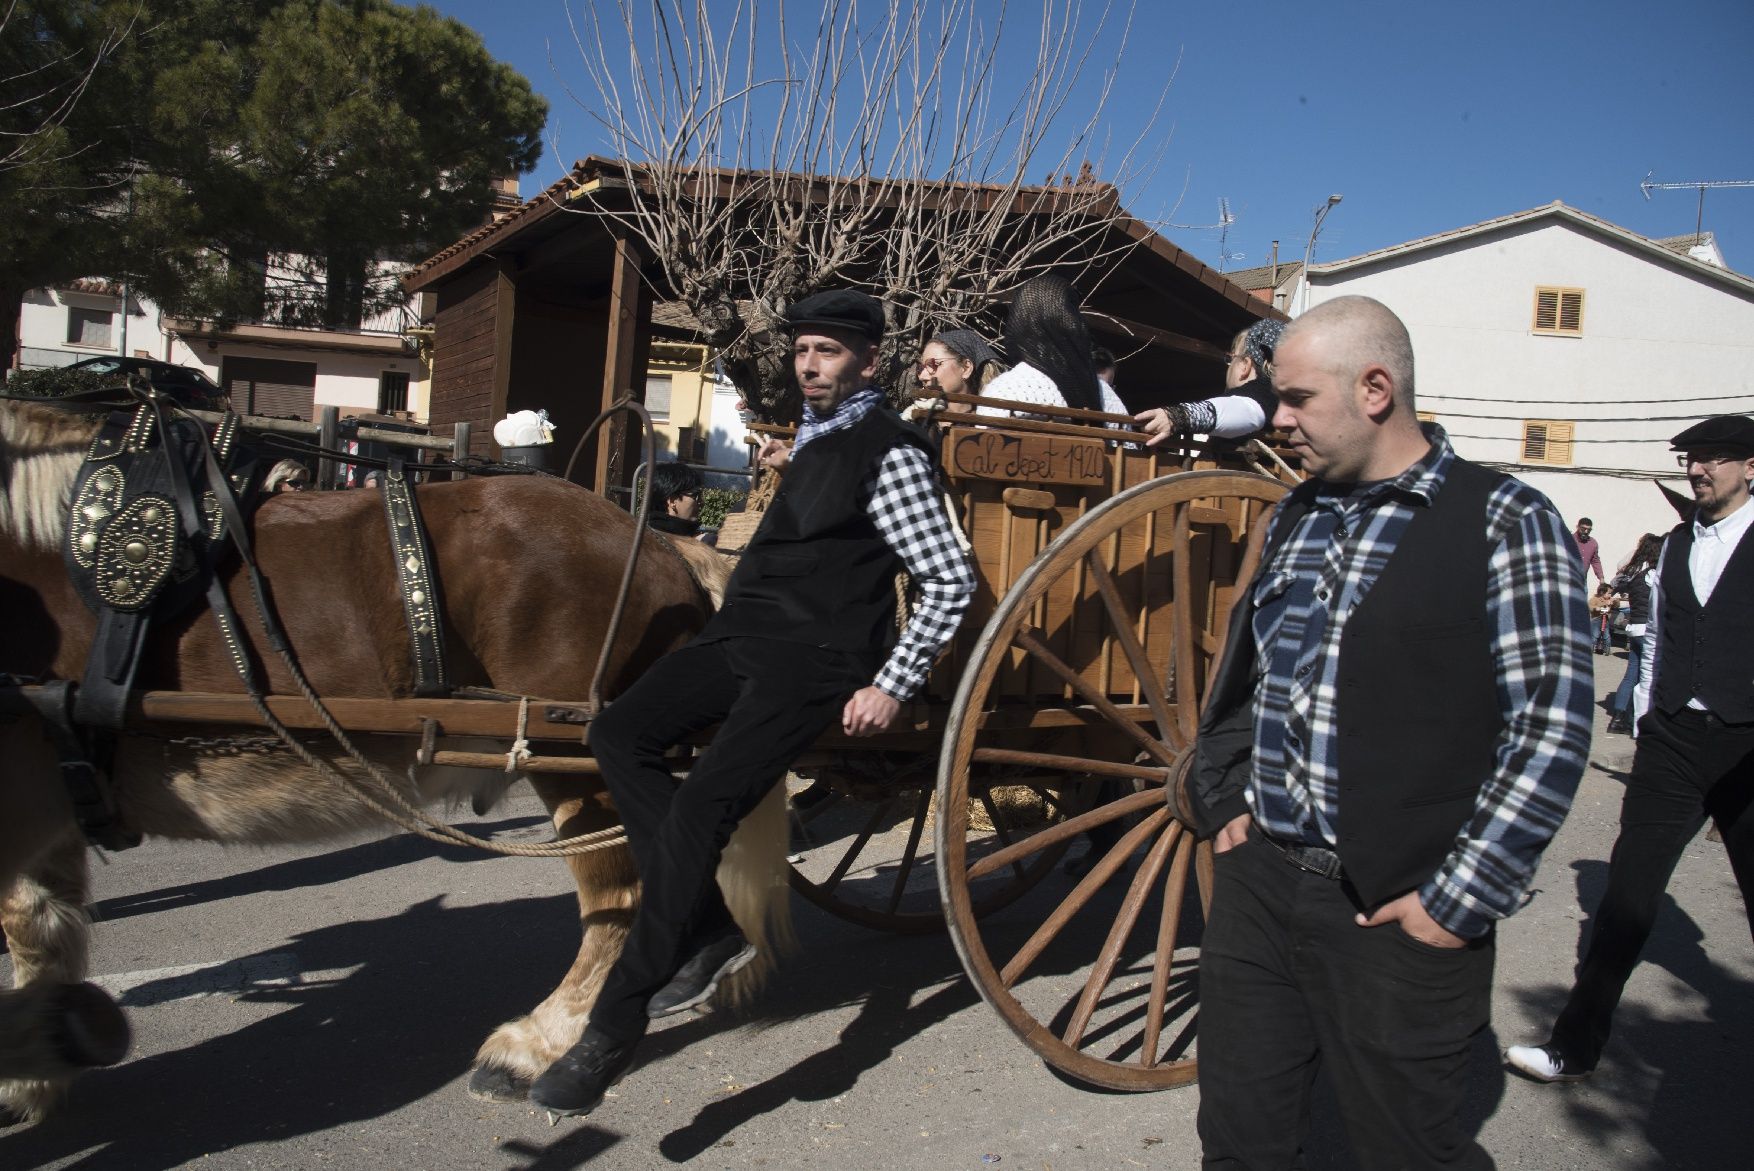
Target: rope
520,751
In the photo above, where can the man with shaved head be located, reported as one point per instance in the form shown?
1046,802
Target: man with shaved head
1394,735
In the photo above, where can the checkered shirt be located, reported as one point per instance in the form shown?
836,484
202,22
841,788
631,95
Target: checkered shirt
1541,651
903,500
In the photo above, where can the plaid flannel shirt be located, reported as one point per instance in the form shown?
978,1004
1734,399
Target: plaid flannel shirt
1540,648
902,499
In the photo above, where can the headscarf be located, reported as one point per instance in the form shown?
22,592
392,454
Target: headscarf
1260,340
968,345
1046,330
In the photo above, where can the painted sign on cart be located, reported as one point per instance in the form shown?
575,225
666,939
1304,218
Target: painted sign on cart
1031,459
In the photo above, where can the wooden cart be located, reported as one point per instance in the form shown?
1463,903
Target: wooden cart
1039,755
1050,730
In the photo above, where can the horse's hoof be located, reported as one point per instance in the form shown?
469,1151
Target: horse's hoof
92,1030
495,1083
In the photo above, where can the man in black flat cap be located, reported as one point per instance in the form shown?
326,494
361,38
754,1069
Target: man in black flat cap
1695,754
806,636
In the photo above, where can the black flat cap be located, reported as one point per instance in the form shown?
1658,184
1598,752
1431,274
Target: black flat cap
838,309
1735,431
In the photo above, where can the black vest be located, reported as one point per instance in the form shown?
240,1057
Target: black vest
1418,713
817,570
1707,651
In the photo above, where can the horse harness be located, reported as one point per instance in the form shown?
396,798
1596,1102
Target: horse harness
154,506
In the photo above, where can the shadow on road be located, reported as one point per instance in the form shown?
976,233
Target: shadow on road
1679,1086
431,983
315,870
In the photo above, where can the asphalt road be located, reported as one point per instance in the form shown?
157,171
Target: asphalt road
318,1008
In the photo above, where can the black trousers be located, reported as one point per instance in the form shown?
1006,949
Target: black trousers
1290,984
772,699
1687,767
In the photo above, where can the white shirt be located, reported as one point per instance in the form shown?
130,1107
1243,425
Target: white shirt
1025,384
1713,546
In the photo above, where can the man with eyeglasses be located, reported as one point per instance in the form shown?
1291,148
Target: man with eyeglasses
1695,727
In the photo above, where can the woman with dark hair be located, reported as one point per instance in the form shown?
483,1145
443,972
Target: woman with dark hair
1244,412
1633,583
674,506
1049,346
959,361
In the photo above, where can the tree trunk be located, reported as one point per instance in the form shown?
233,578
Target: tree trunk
11,308
343,291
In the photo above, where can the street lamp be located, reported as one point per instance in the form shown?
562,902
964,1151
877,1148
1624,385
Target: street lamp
1321,213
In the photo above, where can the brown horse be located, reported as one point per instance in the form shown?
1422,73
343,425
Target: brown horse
527,568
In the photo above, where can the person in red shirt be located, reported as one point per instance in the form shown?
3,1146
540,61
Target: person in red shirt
1587,549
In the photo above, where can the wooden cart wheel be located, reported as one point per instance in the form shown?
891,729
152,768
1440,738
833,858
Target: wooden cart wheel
1117,628
862,852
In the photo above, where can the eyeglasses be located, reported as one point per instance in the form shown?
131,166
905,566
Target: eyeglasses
930,365
1705,461
1237,357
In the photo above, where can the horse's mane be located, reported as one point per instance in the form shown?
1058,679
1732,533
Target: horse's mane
41,450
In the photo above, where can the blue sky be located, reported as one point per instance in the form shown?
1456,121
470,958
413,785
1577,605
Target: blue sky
1426,117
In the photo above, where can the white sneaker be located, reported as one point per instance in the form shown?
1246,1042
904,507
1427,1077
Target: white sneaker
1544,1063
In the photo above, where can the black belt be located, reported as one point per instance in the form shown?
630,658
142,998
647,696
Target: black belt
1314,859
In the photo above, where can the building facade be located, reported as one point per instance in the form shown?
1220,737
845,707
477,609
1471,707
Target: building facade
1567,350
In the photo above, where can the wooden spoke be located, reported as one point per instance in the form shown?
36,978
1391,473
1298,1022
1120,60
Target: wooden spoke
1122,623
1118,932
1026,639
846,862
999,831
1168,926
921,805
1065,831
1070,764
1074,902
1203,870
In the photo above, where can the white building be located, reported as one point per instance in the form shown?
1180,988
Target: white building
268,369
1567,350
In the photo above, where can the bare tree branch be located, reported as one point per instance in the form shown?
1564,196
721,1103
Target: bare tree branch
889,147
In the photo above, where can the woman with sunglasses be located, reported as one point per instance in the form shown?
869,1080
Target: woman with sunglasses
958,361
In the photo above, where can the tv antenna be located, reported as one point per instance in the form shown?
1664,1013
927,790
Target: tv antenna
1225,219
1222,227
1699,225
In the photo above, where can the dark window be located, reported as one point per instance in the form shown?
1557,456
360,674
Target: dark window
392,391
90,327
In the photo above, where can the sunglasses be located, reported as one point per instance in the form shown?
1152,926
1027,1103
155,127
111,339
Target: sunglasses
1706,461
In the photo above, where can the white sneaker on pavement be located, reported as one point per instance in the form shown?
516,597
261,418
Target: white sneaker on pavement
1544,1063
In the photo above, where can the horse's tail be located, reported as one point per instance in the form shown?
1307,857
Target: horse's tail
753,876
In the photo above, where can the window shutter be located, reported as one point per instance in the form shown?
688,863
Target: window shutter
1559,311
1547,441
1546,308
271,387
1571,312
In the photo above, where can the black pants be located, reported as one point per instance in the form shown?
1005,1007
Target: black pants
1289,984
1687,767
773,699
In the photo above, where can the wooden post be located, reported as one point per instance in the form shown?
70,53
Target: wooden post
612,470
328,435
